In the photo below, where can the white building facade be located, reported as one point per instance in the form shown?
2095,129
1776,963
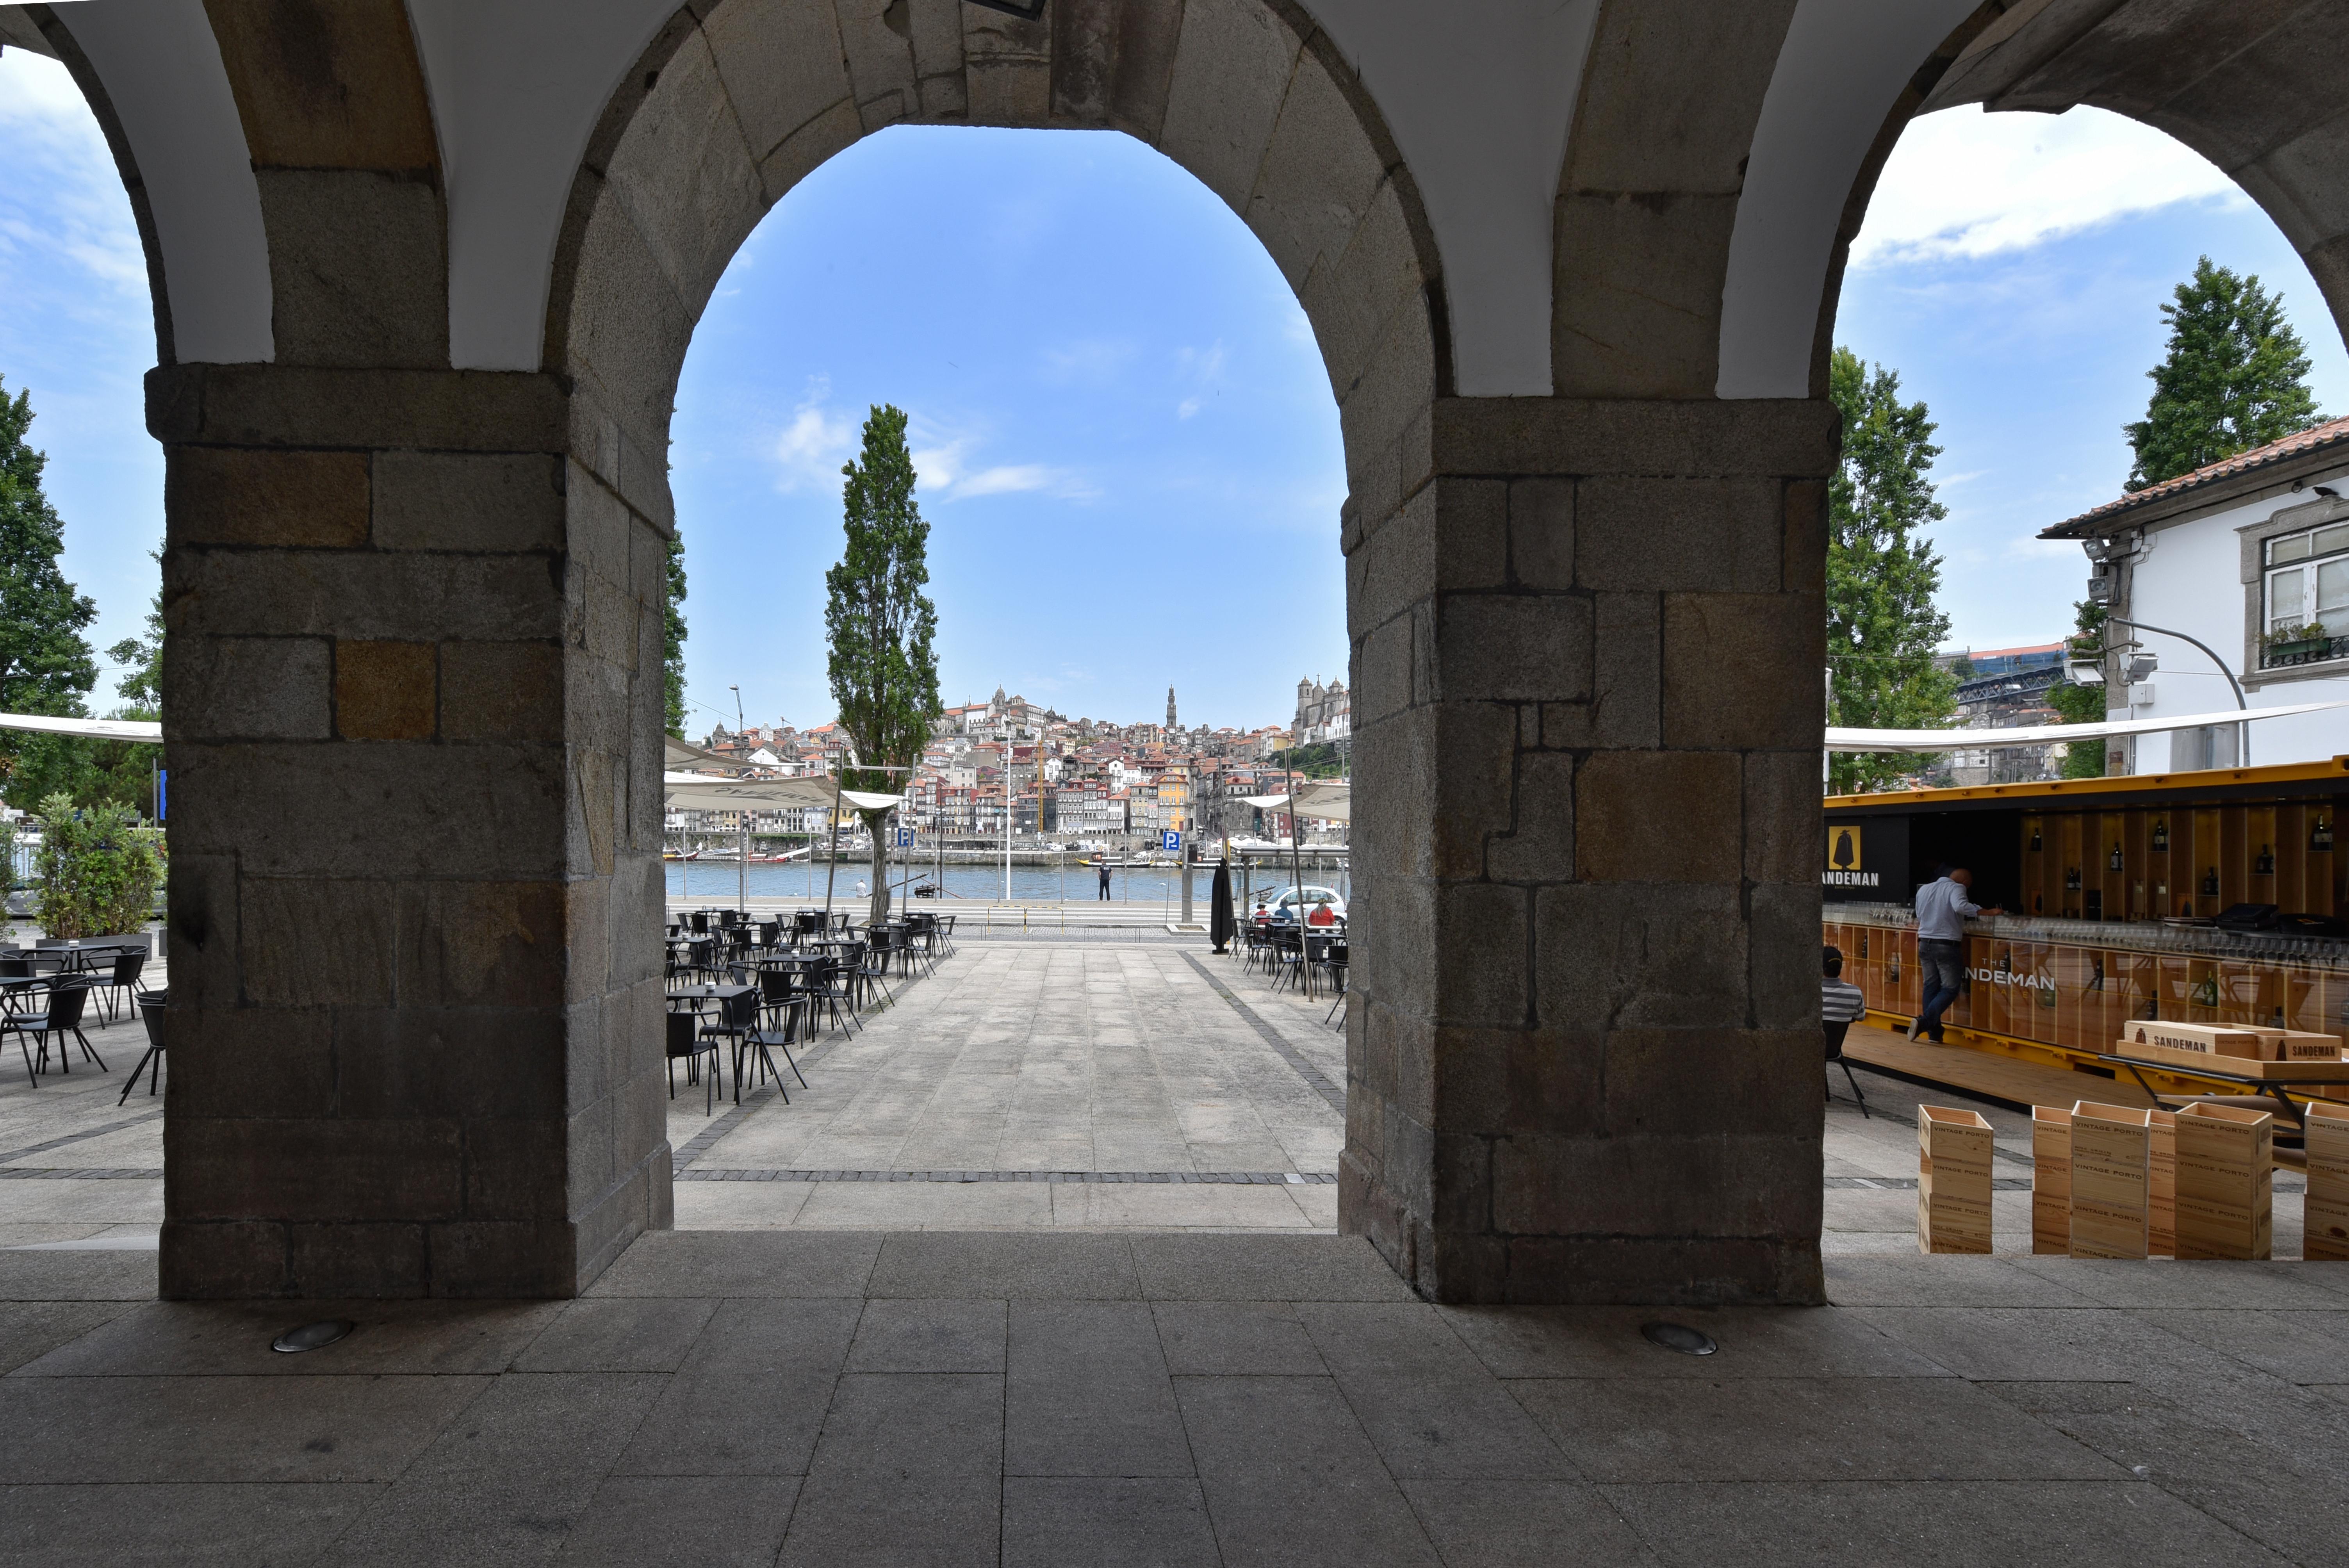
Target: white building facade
2249,557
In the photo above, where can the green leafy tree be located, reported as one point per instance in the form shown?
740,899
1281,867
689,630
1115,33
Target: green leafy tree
45,661
141,659
2235,377
673,640
2083,703
98,869
881,625
1882,621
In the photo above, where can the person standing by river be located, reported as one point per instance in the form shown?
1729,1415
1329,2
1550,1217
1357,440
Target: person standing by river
1104,877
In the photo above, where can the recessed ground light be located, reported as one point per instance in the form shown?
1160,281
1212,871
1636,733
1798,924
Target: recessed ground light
1679,1336
309,1337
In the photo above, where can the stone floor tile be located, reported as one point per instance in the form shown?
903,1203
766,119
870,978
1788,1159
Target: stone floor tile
506,1479
1088,1394
908,1474
232,1526
2209,1283
1494,1524
1151,1206
729,1263
213,1337
1464,1426
1291,1479
683,1522
907,1335
1862,1524
1265,1268
928,1205
2297,1346
31,1329
225,1429
618,1334
76,1276
120,1201
1106,1522
1388,1339
2032,1344
1799,1428
1754,1342
740,1205
1018,1266
1911,1280
1236,1338
751,1397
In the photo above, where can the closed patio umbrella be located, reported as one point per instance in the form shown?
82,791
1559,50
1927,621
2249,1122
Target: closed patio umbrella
1220,921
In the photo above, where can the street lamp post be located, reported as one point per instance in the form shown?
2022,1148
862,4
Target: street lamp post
2243,729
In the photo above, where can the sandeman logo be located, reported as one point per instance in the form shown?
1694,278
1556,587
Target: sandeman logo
1846,864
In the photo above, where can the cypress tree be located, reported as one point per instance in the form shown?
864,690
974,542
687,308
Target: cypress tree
2235,377
45,661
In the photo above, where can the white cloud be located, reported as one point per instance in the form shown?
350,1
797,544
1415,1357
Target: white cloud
1092,360
1186,408
812,447
85,216
940,470
1962,184
1203,367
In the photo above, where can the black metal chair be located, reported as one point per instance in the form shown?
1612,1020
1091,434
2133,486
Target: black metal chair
684,1042
61,1016
122,978
759,1041
1834,1033
151,1005
833,987
737,1016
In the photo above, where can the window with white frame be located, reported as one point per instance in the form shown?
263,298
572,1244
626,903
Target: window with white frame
2308,581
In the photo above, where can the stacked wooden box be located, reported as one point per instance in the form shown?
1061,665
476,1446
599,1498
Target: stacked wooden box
2225,1159
2325,1236
2111,1168
2161,1184
1953,1155
2051,1179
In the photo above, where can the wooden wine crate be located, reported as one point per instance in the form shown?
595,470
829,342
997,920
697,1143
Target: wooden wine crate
2204,1039
2051,1179
2161,1185
2152,1055
2298,1046
1954,1156
2111,1165
2226,1161
2325,1238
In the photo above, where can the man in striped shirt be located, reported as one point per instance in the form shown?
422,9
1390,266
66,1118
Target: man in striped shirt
1840,1002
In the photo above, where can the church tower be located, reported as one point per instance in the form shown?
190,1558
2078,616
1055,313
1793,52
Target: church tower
1170,707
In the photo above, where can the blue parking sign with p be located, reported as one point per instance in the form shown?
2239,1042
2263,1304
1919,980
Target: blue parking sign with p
1171,841
904,838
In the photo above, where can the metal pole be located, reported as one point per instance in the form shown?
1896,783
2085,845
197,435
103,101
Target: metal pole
1295,859
742,884
2243,729
832,856
1007,822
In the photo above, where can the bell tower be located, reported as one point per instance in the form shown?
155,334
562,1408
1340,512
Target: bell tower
1170,707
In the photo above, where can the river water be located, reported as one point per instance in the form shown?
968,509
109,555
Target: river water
717,880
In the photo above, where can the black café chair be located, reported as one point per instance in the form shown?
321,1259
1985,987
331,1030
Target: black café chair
684,1042
151,1004
833,987
738,1015
1835,1033
61,1016
122,980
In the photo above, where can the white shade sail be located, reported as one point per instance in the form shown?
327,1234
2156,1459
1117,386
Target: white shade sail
2047,734
138,729
684,755
1334,802
710,792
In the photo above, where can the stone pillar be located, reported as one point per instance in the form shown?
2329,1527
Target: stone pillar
1583,1054
413,687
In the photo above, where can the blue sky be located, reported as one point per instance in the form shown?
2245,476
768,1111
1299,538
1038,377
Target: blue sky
1128,451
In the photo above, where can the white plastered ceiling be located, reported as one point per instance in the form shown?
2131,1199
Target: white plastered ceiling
1841,68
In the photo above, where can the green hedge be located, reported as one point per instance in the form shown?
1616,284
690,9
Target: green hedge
98,869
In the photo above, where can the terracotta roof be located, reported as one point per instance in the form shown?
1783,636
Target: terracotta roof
2331,433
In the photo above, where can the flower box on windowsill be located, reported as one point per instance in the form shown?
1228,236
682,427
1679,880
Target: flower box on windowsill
2308,651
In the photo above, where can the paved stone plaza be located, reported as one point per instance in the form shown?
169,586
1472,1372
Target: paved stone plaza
942,1370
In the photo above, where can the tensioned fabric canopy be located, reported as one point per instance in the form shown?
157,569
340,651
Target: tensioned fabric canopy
2046,733
684,754
1334,802
709,792
139,729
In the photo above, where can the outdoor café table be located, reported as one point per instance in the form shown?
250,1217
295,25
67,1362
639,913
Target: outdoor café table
2273,1088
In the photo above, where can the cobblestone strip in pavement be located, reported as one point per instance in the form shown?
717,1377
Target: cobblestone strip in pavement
1183,1178
6,1155
81,1173
1334,1093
